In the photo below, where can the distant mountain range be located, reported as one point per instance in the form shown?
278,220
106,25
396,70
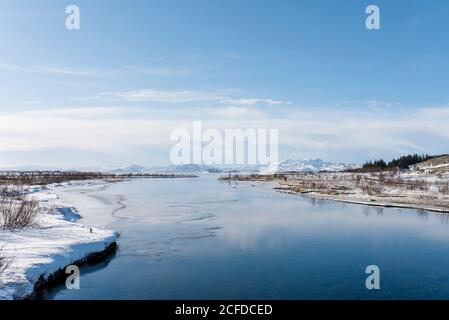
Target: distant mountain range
308,165
168,169
314,165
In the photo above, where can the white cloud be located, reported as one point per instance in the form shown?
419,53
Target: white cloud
93,129
119,130
183,96
254,101
174,96
370,103
231,112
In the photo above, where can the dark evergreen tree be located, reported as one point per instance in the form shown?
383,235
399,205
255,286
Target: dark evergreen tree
403,162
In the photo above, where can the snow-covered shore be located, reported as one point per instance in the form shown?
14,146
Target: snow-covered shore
56,242
398,190
409,189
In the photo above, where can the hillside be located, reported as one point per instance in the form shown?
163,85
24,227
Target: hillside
437,165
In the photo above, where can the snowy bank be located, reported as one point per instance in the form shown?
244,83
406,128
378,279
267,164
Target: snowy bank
42,252
407,189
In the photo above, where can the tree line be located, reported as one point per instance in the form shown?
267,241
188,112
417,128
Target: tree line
403,162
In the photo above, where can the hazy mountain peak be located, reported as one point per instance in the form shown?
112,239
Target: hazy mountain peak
306,165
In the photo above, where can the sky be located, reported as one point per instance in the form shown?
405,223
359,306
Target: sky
110,93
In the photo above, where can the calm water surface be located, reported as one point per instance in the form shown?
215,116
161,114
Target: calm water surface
206,239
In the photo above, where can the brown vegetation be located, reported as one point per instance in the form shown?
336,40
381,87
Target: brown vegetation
5,262
49,177
391,187
16,211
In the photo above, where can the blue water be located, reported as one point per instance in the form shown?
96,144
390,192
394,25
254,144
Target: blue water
206,239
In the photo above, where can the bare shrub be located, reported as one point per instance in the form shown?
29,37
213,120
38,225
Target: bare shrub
390,181
371,189
5,262
48,177
444,188
421,185
17,212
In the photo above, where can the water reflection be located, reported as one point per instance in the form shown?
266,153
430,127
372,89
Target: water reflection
372,211
205,239
444,218
422,214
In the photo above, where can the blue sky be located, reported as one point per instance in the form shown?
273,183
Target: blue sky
110,93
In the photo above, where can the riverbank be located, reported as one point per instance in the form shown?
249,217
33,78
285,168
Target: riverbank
38,255
412,190
208,239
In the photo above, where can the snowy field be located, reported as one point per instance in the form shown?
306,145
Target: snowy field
56,242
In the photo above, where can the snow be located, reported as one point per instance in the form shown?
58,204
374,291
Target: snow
307,165
185,168
98,209
438,165
55,243
404,190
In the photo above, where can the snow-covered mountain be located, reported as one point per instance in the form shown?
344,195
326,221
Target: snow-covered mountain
311,165
307,165
132,169
191,168
186,168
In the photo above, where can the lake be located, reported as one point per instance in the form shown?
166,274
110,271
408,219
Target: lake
206,239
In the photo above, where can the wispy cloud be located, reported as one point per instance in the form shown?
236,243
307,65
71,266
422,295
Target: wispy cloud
21,13
182,96
156,71
67,72
49,70
160,71
369,103
168,96
240,112
255,101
